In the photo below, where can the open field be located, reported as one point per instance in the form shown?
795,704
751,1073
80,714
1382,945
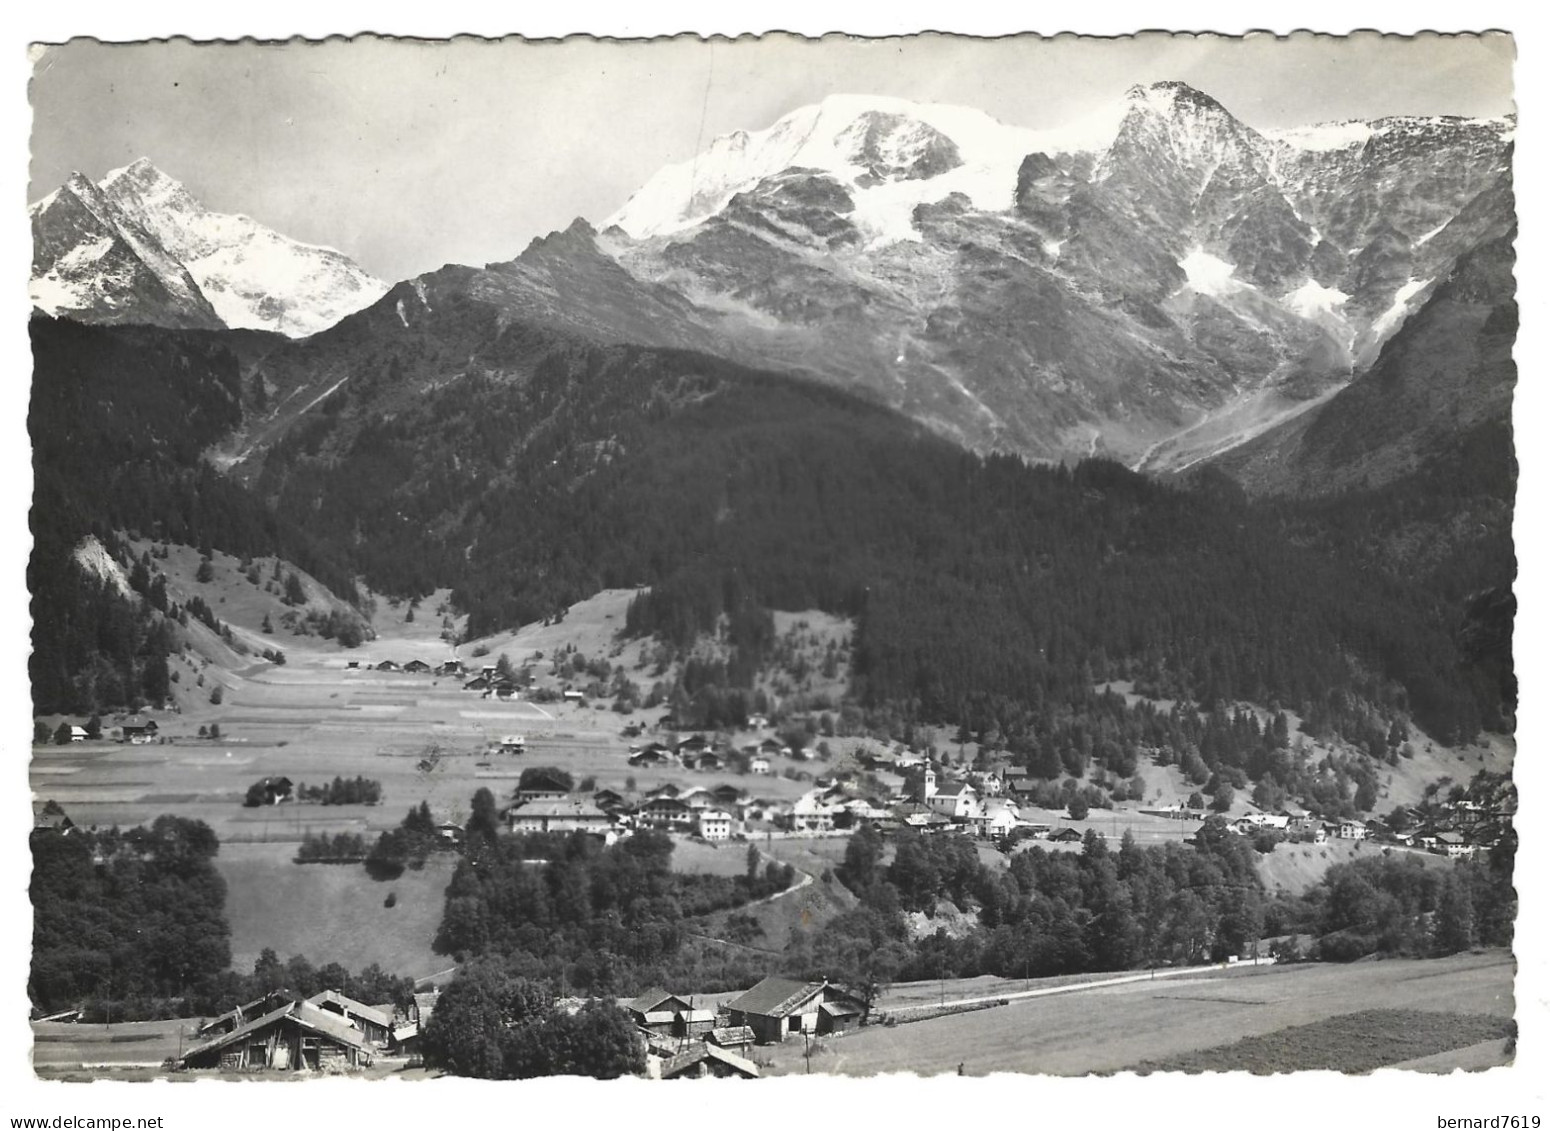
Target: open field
1294,868
133,1044
422,737
1113,1028
332,912
1351,1042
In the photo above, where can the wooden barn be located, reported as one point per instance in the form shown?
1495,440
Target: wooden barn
295,1037
776,1008
668,1015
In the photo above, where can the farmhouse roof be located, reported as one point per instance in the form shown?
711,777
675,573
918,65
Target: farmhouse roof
304,1013
686,1060
560,808
257,1006
652,1000
350,1005
774,997
732,1035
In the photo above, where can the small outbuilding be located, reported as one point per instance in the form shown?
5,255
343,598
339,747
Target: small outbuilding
708,1060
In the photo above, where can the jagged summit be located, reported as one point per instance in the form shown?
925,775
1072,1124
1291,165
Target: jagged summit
140,248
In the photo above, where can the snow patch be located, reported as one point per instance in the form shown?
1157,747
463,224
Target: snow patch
1312,299
1208,274
400,308
1387,322
1324,136
1427,237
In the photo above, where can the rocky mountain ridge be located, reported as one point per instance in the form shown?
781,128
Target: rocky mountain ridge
139,248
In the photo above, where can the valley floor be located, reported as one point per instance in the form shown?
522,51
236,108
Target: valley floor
1118,1027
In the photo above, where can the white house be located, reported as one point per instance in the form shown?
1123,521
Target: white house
810,813
759,765
958,801
999,818
713,824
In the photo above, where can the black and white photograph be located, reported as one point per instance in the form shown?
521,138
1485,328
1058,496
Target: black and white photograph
771,555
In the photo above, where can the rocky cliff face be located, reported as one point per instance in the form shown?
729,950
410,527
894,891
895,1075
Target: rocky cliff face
1157,296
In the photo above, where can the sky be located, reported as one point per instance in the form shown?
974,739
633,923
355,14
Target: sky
410,154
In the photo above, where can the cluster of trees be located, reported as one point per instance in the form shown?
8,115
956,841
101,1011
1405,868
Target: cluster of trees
342,791
131,925
228,989
407,846
1049,913
496,1024
130,920
599,920
1397,904
340,848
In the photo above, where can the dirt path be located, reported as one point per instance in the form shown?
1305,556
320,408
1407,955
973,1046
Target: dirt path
1075,987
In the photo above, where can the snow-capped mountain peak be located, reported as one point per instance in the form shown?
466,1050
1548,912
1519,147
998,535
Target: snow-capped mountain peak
223,269
893,153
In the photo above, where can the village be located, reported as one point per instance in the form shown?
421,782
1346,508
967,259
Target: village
562,759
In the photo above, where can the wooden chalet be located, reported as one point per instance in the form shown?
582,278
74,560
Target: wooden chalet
654,755
478,683
706,1059
139,730
776,1008
277,790
450,667
513,744
374,1022
667,813
1066,835
417,667
388,666
294,1036
610,801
